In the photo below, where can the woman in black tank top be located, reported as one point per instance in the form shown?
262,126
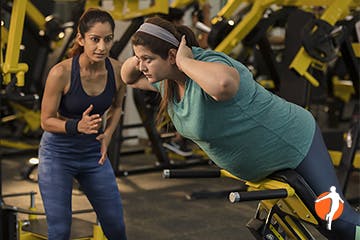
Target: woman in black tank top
78,94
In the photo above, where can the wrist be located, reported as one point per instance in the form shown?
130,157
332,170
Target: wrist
184,62
71,126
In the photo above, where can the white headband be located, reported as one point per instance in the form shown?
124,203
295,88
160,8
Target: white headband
159,32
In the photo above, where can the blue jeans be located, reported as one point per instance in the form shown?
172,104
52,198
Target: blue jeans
318,171
63,158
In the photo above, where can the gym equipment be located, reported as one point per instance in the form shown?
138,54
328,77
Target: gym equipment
13,72
252,18
286,206
349,161
27,35
34,228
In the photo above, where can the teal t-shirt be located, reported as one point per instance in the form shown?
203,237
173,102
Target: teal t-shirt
251,135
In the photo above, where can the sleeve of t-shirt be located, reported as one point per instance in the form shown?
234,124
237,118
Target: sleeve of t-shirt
212,56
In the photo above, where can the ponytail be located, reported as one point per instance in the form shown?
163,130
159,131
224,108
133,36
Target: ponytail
76,49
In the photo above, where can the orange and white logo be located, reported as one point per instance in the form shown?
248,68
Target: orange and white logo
329,206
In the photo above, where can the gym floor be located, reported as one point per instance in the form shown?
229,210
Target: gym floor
156,208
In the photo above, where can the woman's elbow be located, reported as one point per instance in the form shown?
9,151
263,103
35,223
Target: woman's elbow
228,88
43,125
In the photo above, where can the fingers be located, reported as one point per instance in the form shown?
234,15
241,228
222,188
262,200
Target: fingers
103,148
102,159
89,124
183,40
100,137
88,110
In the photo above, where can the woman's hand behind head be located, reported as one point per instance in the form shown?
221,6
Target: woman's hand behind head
183,52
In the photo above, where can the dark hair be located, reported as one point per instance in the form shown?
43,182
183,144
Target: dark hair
175,14
161,48
87,21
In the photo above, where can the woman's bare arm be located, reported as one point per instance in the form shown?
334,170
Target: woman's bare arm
218,80
131,75
54,88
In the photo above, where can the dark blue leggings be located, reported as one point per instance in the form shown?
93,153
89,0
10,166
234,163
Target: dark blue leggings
61,161
318,171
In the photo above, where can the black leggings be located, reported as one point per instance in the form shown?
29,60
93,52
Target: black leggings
318,171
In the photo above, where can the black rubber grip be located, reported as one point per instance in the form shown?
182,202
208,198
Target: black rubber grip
257,195
181,173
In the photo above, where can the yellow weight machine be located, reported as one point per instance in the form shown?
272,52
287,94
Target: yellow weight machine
286,208
13,72
335,10
23,111
24,114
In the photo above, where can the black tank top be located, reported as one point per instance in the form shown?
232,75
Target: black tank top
76,100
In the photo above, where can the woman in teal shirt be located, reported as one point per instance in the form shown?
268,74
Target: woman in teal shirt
213,100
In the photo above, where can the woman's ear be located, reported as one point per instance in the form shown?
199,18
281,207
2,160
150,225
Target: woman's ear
80,39
172,55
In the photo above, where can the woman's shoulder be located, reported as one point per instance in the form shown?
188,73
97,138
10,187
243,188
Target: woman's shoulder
62,68
60,74
202,54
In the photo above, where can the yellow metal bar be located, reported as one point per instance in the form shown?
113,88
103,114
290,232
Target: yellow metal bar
343,89
275,232
31,117
356,49
35,15
227,10
4,38
11,64
245,26
270,184
98,233
291,204
159,6
295,228
184,3
129,9
224,173
120,8
336,11
17,144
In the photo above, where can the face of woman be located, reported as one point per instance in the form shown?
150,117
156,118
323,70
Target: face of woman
98,41
152,65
